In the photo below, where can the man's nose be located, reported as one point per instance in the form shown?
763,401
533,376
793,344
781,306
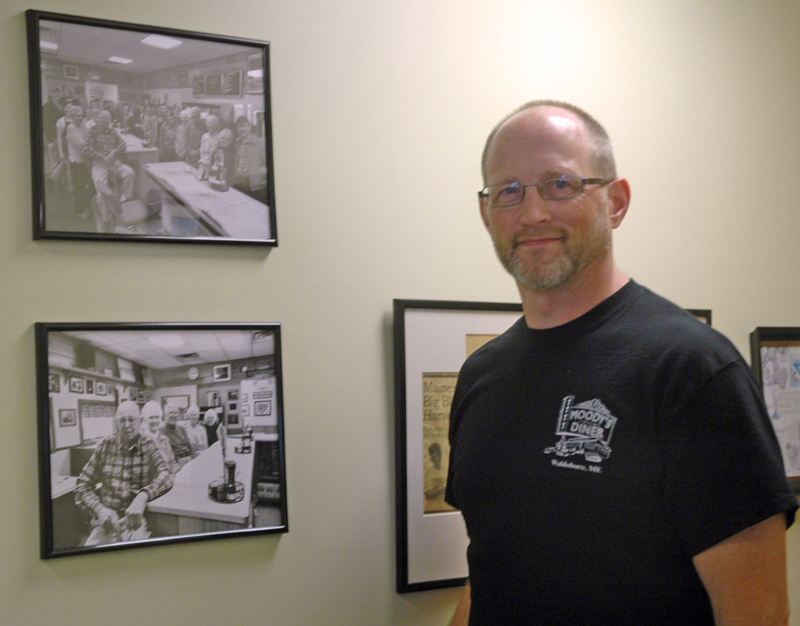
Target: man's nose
534,209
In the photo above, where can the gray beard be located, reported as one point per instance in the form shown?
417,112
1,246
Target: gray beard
563,269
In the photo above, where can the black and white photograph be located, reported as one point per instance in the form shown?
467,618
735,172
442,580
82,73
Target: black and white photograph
222,372
149,461
142,133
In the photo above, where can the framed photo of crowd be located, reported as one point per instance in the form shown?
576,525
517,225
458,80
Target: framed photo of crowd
432,339
775,358
149,461
143,133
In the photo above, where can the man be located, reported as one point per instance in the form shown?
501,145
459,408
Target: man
250,165
180,135
208,143
83,188
105,147
611,456
193,136
195,431
178,439
125,472
52,111
152,418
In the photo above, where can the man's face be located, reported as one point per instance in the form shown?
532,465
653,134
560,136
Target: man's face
77,116
242,128
171,416
103,119
127,421
194,415
153,422
545,244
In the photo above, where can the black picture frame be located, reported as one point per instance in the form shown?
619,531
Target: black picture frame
149,193
775,359
211,494
432,339
702,315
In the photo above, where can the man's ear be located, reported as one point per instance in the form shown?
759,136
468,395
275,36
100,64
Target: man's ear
619,194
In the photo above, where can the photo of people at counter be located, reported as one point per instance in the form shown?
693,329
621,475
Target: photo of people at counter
159,434
149,135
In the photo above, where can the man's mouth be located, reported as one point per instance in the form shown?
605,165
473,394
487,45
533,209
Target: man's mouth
536,241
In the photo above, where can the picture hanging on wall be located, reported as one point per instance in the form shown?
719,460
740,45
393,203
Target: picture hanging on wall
142,133
192,479
775,358
432,339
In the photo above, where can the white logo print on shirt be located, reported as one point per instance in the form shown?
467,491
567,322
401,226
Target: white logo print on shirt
585,429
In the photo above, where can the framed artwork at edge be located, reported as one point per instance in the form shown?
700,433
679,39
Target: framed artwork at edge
184,152
432,339
230,482
775,358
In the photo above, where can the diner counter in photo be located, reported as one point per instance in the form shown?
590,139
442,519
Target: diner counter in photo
187,508
137,156
228,213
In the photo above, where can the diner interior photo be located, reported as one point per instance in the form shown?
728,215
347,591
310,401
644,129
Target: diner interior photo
182,152
227,378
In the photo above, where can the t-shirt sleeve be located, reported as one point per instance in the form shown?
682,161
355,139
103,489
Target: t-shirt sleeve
723,464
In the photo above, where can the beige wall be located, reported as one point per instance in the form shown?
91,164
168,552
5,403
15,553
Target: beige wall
380,109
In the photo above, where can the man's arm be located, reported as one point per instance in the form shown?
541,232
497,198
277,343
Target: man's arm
461,616
745,576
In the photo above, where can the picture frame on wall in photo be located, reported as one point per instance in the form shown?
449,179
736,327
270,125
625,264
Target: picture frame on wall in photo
143,133
432,339
775,358
180,493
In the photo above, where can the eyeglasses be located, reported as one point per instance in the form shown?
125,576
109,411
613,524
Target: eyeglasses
557,188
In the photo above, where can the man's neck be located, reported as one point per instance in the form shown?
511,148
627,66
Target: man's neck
555,307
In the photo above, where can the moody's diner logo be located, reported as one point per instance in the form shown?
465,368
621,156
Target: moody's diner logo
585,430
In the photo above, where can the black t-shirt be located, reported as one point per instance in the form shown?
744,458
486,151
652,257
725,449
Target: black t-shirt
592,461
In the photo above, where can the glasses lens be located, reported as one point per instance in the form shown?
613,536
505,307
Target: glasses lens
504,195
562,187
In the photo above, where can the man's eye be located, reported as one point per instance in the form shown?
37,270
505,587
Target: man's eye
509,190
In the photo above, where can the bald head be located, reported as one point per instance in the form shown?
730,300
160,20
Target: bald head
565,115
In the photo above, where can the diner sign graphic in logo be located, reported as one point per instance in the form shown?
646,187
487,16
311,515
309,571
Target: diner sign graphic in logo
585,430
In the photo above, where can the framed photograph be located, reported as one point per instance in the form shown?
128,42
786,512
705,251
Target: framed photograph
228,489
775,358
136,132
233,394
432,339
76,384
54,383
67,417
100,388
222,373
181,401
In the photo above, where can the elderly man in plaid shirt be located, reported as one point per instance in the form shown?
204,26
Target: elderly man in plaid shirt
125,472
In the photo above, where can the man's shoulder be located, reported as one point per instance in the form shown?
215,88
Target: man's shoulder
658,327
